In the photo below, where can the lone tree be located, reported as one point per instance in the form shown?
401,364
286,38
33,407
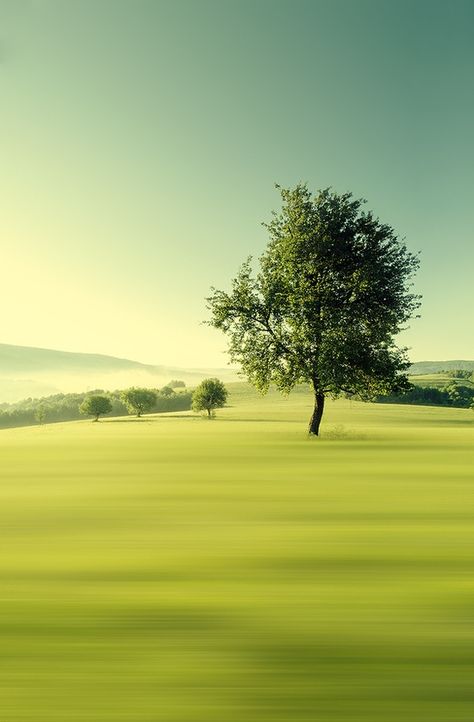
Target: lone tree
138,401
96,406
211,394
332,292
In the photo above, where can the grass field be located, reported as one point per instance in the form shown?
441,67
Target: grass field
184,570
439,380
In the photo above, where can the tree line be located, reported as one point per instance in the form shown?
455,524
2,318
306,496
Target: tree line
66,407
456,395
466,374
210,395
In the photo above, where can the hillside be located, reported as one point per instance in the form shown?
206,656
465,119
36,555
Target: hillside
433,367
438,380
26,359
36,372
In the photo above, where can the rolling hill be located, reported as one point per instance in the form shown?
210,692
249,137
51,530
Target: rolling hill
36,372
26,371
433,367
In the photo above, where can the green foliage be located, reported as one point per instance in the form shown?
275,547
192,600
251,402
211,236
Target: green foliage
211,394
65,407
452,395
180,401
332,292
40,414
459,395
176,384
167,391
96,405
139,401
466,374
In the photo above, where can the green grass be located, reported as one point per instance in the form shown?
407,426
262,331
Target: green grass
174,569
439,380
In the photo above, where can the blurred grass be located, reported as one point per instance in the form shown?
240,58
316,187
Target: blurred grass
185,570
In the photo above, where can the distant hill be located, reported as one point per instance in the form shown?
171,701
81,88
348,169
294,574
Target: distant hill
433,367
26,371
35,372
25,359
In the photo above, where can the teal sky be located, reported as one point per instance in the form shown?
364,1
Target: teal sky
141,140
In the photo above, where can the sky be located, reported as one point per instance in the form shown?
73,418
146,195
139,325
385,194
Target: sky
141,141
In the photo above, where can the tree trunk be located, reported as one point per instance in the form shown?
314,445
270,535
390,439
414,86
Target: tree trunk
317,413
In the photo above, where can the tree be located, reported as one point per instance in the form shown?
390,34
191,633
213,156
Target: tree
458,373
96,406
459,395
40,414
176,383
332,292
138,401
211,394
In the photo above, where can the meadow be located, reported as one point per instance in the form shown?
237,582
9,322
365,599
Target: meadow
439,380
175,569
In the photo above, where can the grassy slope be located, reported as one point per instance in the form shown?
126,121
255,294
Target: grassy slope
180,570
438,380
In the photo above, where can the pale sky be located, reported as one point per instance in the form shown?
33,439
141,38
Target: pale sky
141,140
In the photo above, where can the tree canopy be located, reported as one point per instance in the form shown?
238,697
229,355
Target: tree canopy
211,394
333,289
176,384
139,401
96,405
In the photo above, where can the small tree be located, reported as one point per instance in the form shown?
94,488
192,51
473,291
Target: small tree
211,394
332,292
138,401
96,406
40,414
176,384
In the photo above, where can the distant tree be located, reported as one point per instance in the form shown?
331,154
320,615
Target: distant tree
96,406
458,373
167,391
211,394
176,384
180,401
40,414
139,401
459,395
332,292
